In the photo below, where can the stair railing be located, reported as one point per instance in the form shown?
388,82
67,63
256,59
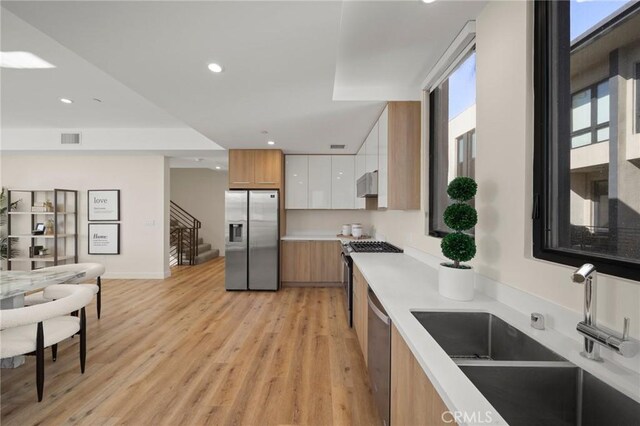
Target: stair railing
183,235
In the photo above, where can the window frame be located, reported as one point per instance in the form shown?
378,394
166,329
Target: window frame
545,127
431,96
637,83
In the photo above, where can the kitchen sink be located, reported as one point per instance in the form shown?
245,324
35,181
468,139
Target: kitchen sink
551,395
481,335
525,382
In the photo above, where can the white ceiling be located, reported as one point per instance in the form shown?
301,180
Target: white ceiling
386,48
30,98
282,61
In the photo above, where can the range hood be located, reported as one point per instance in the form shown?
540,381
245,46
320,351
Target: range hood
368,185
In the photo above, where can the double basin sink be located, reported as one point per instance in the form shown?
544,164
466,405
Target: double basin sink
527,383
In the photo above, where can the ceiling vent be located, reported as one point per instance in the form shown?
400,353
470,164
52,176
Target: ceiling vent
70,138
337,146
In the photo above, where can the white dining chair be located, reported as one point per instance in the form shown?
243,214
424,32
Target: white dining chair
92,271
29,330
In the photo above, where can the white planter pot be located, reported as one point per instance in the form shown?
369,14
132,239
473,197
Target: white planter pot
456,284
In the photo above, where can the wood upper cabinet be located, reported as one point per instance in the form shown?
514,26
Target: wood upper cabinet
255,168
414,400
403,155
268,166
326,263
241,167
296,261
393,149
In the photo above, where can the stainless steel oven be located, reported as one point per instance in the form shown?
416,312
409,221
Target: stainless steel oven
347,282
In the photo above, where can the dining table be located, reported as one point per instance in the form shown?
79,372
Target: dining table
15,284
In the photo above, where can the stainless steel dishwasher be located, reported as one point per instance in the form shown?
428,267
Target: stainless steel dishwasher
379,356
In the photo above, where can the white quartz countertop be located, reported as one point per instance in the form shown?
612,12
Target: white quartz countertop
404,284
321,237
310,237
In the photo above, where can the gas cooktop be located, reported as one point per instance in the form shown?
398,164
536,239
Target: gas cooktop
373,247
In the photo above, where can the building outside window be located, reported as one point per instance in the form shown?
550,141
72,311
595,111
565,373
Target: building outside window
466,154
452,137
587,154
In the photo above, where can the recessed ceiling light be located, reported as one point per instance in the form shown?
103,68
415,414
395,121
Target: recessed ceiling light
23,60
271,143
66,101
428,1
218,167
213,67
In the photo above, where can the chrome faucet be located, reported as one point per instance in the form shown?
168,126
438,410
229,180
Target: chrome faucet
588,328
586,275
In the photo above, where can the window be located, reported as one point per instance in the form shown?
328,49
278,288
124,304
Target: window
590,115
586,197
452,148
466,153
600,216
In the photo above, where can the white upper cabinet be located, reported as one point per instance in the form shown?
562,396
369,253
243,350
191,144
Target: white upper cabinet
361,168
342,178
319,181
297,182
383,159
371,150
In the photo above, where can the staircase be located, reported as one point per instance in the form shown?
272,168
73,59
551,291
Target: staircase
186,245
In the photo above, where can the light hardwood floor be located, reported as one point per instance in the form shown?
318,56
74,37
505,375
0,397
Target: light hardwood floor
183,351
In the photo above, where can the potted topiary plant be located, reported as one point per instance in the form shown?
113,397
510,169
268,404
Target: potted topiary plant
456,281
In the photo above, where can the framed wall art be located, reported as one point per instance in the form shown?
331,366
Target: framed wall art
104,238
103,205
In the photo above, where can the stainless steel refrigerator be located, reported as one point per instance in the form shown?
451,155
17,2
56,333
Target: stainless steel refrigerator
252,240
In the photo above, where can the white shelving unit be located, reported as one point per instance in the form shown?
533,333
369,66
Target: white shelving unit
62,245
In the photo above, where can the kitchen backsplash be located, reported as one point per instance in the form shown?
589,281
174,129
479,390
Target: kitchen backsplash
301,222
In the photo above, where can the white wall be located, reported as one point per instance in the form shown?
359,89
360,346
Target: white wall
143,203
504,173
201,193
325,221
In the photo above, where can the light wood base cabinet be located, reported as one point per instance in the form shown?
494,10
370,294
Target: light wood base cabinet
414,400
311,262
296,265
361,311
